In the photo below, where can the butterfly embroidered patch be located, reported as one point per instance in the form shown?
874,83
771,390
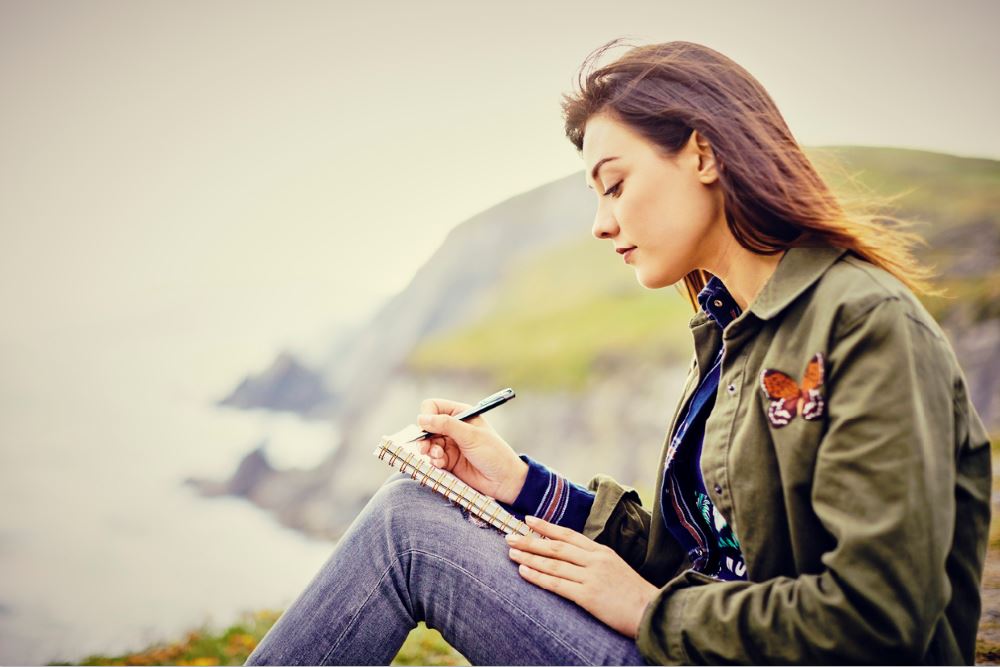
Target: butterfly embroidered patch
787,397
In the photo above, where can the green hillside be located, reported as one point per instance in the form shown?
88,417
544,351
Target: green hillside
957,200
947,190
557,320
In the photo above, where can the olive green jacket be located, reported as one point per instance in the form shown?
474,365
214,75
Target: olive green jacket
864,528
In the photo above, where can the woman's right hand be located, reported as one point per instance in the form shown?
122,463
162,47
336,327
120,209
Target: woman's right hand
471,450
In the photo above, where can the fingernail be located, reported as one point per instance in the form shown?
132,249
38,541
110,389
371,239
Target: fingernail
530,519
511,537
423,419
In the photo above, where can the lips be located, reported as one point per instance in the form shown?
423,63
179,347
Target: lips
623,250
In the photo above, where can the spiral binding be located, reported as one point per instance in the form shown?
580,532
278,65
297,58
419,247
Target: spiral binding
447,484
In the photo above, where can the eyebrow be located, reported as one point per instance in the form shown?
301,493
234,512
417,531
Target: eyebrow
597,168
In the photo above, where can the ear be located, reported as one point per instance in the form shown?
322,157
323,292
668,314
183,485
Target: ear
708,166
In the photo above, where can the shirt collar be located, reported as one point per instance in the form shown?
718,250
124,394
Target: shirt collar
718,303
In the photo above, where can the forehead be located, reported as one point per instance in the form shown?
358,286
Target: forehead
606,137
601,133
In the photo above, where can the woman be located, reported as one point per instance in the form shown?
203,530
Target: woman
823,493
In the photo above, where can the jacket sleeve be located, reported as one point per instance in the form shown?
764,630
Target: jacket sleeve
883,487
617,519
551,496
605,511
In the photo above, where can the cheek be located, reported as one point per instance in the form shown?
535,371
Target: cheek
684,216
669,223
673,229
647,216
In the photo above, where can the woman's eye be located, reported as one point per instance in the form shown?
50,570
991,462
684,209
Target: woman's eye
616,189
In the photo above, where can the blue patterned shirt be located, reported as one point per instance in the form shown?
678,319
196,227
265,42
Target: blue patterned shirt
688,513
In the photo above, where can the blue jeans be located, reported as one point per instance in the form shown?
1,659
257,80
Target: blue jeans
412,555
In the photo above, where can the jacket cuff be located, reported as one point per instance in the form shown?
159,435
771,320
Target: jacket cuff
610,492
550,496
658,637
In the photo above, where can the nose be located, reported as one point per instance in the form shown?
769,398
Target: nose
605,225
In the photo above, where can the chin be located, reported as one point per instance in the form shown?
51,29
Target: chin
656,281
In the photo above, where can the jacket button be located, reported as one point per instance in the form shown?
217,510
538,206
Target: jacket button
718,488
731,389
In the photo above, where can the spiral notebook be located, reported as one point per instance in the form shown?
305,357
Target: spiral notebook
401,452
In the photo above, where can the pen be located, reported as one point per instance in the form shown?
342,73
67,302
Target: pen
479,408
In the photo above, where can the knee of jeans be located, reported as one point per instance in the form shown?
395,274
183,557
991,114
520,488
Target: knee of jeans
400,490
404,496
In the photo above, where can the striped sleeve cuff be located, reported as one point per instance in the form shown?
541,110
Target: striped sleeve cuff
549,495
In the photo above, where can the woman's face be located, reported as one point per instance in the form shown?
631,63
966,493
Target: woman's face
669,209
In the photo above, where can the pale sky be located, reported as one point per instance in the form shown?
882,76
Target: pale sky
275,166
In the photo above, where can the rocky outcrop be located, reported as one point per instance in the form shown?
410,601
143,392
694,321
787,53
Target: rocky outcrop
286,384
251,472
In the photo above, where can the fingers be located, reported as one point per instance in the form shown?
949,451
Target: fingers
567,588
461,432
433,448
556,532
442,406
560,569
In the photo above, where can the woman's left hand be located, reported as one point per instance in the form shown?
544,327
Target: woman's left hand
584,571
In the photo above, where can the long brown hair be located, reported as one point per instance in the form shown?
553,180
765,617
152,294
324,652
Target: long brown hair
774,198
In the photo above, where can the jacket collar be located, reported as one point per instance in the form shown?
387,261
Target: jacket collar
797,270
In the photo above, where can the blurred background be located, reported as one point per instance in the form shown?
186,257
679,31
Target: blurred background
240,241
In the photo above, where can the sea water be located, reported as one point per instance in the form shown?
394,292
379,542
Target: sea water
103,549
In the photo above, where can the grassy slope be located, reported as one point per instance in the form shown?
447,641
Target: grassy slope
232,646
552,319
956,202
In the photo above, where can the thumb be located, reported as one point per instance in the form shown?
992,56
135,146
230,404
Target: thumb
461,432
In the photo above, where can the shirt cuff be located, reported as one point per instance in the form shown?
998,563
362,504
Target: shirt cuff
550,496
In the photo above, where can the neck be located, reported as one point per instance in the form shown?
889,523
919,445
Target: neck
743,272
